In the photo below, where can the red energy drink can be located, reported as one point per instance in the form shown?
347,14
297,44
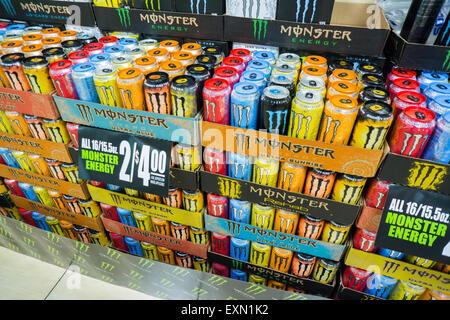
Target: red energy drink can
13,186
97,184
215,161
78,57
110,212
302,265
26,216
61,74
220,270
109,41
397,73
401,84
244,54
217,206
235,62
227,73
376,193
72,129
364,240
118,241
355,278
220,243
216,101
36,126
407,99
411,131
319,183
94,48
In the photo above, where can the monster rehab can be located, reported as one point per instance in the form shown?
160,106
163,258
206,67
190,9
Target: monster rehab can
18,123
364,68
143,221
58,199
285,221
338,75
265,171
170,45
275,104
313,72
334,232
32,50
55,168
126,217
23,161
110,212
160,226
302,264
166,255
380,286
421,262
216,101
319,183
14,187
114,51
81,233
338,119
348,188
234,62
174,198
255,77
372,125
404,290
260,65
240,211
108,41
150,250
217,206
160,54
193,48
244,105
263,216
72,204
364,240
36,126
183,92
157,92
146,64
280,259
39,219
12,65
93,48
376,193
439,105
53,43
214,161
43,196
183,260
438,147
355,278
220,243
152,197
306,114
411,131
12,46
106,86
244,54
239,166
71,172
61,74
83,79
291,177
310,227
260,254
37,73
130,85
199,236
193,201
188,157
239,249
179,231
325,270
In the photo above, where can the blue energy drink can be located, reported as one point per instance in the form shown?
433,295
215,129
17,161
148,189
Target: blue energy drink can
40,221
27,189
397,255
239,166
380,286
256,77
83,79
133,246
239,249
436,89
128,43
438,147
238,275
115,188
126,217
426,78
240,211
439,105
114,51
100,59
268,56
260,65
9,159
244,105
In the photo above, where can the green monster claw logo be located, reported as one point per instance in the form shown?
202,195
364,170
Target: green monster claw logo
152,5
124,15
446,63
259,29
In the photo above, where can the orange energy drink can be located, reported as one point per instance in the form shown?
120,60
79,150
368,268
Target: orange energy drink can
160,226
310,227
185,58
18,123
23,161
67,228
334,232
13,46
183,259
291,177
106,86
152,197
52,42
325,270
170,45
173,68
12,65
179,231
314,72
55,168
338,119
285,221
317,61
344,88
58,199
348,188
262,216
146,64
90,208
36,70
57,131
98,237
281,259
81,233
72,204
130,82
50,32
160,54
39,164
343,75
302,264
319,183
198,236
36,126
430,294
68,35
4,81
276,285
71,172
32,50
193,201
174,198
193,48
157,92
5,124
32,38
150,251
166,255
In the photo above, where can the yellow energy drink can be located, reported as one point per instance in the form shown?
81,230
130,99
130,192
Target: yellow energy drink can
265,171
260,254
306,115
57,130
37,73
334,232
58,199
150,251
200,264
253,278
193,201
421,262
18,123
39,164
199,236
143,221
404,290
53,224
23,161
106,86
132,192
43,196
325,270
166,255
98,237
262,216
90,208
348,188
188,157
5,123
71,172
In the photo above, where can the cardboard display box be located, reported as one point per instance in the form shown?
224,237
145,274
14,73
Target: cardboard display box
155,5
91,223
189,247
64,187
144,123
44,148
40,105
305,11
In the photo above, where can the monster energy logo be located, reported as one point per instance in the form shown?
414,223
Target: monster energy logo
233,228
426,176
13,77
217,210
350,193
218,245
158,99
165,257
286,226
262,220
390,267
318,186
9,7
260,174
212,162
126,97
240,113
373,142
259,29
336,236
280,262
229,188
416,139
446,63
329,122
85,112
369,244
197,9
115,198
323,274
210,109
124,15
180,106
277,120
287,178
240,253
38,130
191,204
256,255
151,5
299,118
32,80
107,96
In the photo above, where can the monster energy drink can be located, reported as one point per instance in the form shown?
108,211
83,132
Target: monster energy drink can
160,226
380,286
5,125
40,221
188,157
253,278
275,104
183,259
174,198
281,259
418,261
43,196
193,201
397,255
18,123
404,290
72,204
217,206
36,126
37,72
240,211
8,158
55,168
427,77
312,84
256,77
260,65
334,232
98,237
220,243
283,81
325,270
100,60
179,231
90,208
306,114
23,161
200,264
263,216
440,105
285,221
199,236
150,250
355,278
239,249
166,255
106,86
115,50
220,270
157,92
291,177
310,227
71,172
260,254
348,188
437,89
239,166
83,79
319,183
265,171
133,246
268,56
183,91
244,105
302,264
54,54
126,217
238,275
57,130
438,148
70,46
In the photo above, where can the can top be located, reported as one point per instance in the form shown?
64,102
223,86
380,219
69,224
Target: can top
403,73
372,80
171,65
129,73
311,82
51,40
105,71
158,52
226,72
207,59
32,37
99,57
276,92
377,110
81,54
282,79
60,65
114,48
216,84
239,242
169,43
157,78
93,46
344,74
405,83
197,70
342,64
310,97
285,67
246,88
12,58
369,67
18,26
288,57
35,62
304,256
435,76
440,87
12,44
253,75
344,102
71,44
419,114
67,33
443,100
145,61
182,55
84,67
318,60
128,41
214,50
133,51
130,240
264,54
51,52
344,87
183,81
232,61
260,246
353,177
51,30
191,46
258,64
329,263
32,47
315,71
377,93
411,97
120,60
108,39
446,117
240,52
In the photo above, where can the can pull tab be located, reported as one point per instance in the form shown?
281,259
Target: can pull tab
420,115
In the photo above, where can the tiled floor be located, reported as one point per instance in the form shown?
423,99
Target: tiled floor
26,278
